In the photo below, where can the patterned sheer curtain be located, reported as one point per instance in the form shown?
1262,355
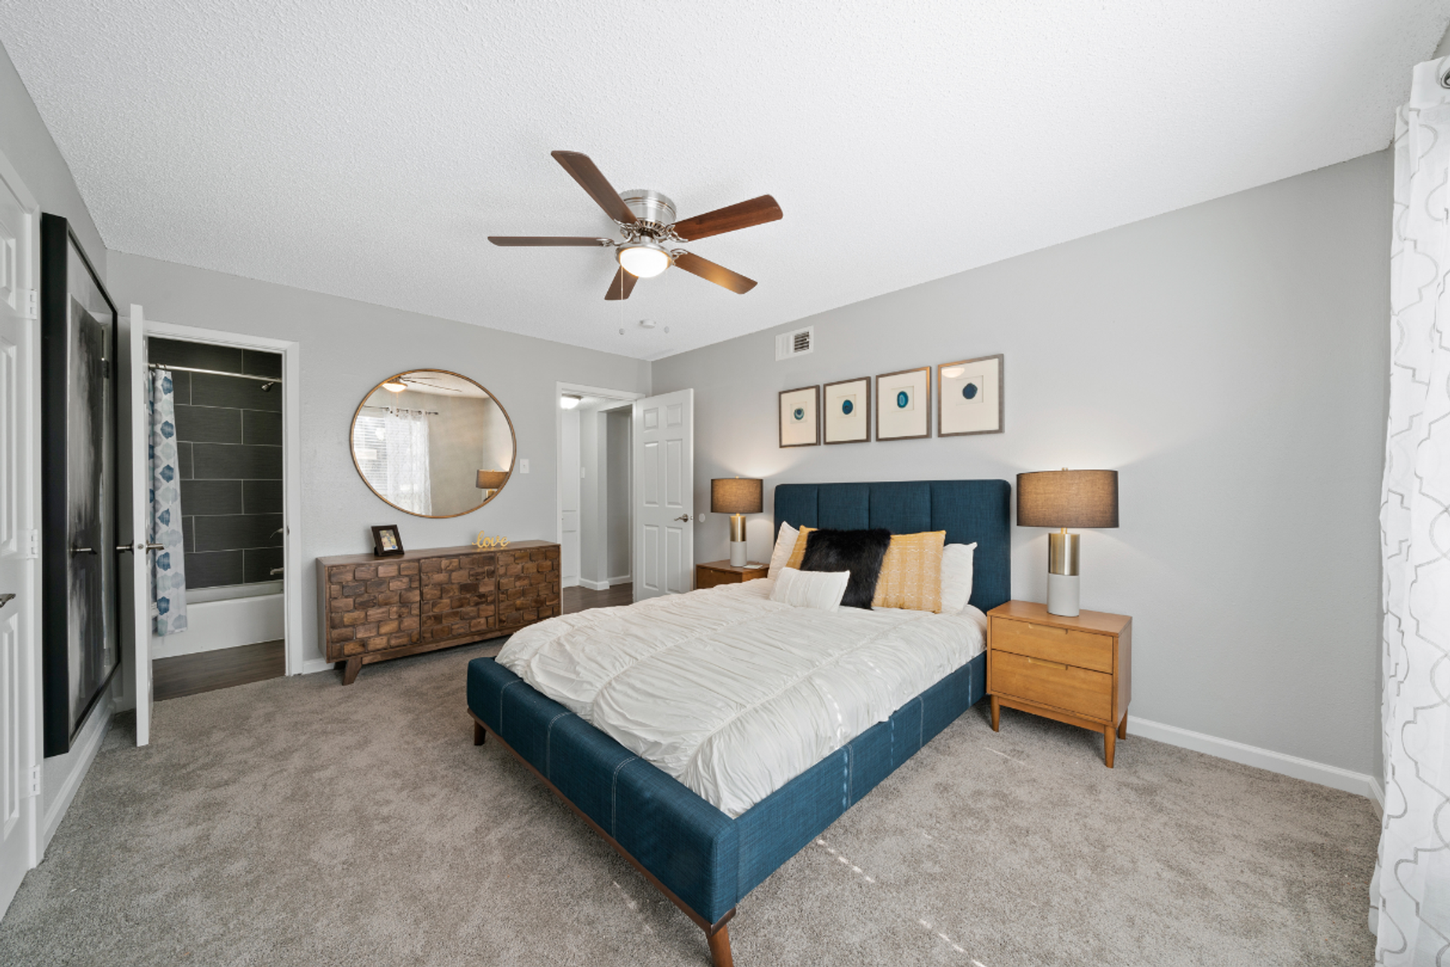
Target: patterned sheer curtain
1410,894
395,457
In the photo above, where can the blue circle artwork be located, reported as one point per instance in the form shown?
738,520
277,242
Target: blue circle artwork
799,413
902,399
847,406
970,391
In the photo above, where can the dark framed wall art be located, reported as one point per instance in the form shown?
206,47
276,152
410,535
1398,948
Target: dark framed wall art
800,417
80,642
970,396
848,411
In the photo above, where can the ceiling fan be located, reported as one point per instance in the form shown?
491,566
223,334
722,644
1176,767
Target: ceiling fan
647,221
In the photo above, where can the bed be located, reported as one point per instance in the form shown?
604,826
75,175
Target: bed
705,858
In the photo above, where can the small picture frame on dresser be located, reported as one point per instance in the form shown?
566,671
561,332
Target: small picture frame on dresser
387,542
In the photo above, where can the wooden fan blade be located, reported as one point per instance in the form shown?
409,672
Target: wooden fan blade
756,211
582,170
621,287
711,272
531,241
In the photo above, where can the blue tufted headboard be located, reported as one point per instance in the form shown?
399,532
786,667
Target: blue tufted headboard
969,511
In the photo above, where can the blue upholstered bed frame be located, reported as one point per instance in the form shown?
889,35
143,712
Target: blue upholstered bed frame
699,857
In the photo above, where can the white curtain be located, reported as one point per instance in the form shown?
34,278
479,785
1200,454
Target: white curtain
409,484
1410,895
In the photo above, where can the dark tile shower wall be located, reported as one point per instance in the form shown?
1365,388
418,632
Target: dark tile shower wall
229,433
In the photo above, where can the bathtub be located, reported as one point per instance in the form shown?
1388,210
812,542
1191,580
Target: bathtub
226,618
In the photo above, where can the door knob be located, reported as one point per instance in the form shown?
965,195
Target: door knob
684,517
82,550
154,547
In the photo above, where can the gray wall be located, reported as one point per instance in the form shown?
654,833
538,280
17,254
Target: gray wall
346,348
1230,360
617,471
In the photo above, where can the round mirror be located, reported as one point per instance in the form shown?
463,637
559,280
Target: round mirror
432,443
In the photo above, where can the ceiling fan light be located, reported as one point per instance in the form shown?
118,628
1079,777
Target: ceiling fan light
643,260
395,386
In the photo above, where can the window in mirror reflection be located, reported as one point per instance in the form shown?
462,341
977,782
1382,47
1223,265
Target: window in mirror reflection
432,443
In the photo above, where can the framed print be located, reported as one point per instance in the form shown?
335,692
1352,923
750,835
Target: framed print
800,417
903,405
387,541
970,396
80,556
847,408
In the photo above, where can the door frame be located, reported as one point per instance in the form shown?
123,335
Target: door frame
614,395
291,353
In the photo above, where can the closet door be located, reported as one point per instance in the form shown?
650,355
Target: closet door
664,492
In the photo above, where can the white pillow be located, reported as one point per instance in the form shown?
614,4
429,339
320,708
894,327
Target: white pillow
784,544
810,589
956,576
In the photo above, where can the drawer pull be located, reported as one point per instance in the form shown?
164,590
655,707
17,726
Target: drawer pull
1050,664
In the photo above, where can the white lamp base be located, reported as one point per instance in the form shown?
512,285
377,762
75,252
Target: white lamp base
1062,594
737,553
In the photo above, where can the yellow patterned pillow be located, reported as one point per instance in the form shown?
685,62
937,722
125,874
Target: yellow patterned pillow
911,573
799,551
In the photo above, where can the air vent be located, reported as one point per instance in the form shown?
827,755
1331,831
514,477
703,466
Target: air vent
798,343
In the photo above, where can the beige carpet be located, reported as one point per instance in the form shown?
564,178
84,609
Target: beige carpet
297,822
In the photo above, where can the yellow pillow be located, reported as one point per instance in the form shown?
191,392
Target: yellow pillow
800,548
911,572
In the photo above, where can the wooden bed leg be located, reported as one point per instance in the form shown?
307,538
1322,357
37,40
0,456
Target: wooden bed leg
996,715
479,734
350,670
720,947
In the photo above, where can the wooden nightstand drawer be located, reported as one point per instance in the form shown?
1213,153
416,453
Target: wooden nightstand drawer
1087,693
723,572
1066,645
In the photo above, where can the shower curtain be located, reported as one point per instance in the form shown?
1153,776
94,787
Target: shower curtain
168,564
1410,894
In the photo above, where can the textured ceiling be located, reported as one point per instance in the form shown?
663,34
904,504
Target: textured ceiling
366,147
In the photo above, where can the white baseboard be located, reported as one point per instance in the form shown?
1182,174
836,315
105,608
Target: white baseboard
314,665
82,754
1326,775
594,585
622,579
1377,797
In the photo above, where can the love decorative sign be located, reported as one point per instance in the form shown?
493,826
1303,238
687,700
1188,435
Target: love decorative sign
486,543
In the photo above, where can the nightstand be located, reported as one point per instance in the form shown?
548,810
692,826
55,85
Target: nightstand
723,572
1075,670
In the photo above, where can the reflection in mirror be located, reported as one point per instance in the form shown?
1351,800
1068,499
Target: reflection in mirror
433,443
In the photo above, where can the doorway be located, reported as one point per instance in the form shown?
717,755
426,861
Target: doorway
594,498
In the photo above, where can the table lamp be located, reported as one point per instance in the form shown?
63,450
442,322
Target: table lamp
492,479
1066,498
736,496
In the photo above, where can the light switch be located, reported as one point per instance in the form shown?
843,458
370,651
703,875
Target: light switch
523,466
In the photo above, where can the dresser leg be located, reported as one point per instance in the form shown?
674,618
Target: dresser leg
996,715
479,734
1123,727
350,670
1110,738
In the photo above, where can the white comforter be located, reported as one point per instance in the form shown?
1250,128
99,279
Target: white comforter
732,693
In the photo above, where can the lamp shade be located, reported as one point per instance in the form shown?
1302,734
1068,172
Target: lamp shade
736,495
491,479
1067,498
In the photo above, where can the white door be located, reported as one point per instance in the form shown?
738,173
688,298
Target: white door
19,644
569,540
664,489
133,527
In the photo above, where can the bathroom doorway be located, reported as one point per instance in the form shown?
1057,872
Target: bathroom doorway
229,406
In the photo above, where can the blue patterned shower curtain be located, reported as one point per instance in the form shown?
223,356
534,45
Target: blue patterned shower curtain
168,570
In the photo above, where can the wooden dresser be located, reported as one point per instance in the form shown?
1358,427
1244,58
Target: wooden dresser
375,608
1076,670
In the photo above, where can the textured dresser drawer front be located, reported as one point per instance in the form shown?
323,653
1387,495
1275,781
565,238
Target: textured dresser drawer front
1087,693
1066,645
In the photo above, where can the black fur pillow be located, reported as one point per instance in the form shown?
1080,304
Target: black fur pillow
860,552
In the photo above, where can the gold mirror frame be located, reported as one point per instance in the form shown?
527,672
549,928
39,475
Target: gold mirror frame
352,451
